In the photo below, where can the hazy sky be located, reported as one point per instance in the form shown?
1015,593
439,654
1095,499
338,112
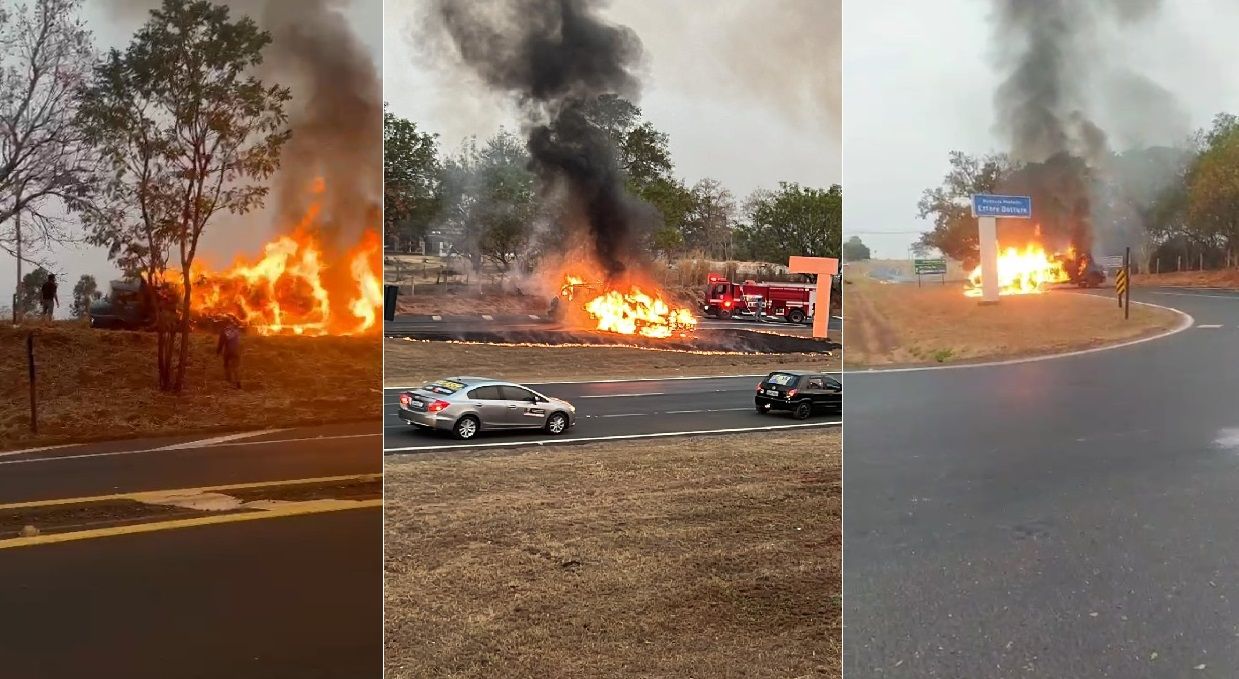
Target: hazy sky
225,239
747,91
918,83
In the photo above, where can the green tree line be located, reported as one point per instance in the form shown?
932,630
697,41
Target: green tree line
484,198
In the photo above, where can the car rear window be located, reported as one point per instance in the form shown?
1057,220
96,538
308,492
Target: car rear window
443,387
782,379
511,393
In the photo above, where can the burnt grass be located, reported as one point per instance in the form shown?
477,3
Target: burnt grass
731,340
710,556
102,384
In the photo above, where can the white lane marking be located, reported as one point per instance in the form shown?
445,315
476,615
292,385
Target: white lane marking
488,317
203,443
648,393
1208,327
114,453
647,379
1186,321
621,437
436,318
39,449
707,410
533,316
624,415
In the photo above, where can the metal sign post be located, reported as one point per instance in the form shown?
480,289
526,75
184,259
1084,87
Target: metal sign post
987,209
928,266
1122,285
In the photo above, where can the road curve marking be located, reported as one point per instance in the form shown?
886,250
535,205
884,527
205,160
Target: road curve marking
139,496
202,443
291,509
1185,321
618,437
23,451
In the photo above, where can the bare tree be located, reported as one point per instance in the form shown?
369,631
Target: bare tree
46,168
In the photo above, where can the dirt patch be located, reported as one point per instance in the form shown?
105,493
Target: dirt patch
362,489
414,362
901,324
694,557
102,384
80,516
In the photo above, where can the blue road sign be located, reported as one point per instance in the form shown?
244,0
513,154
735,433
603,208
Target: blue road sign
1017,207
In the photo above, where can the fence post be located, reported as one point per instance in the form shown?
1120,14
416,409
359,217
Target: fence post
34,412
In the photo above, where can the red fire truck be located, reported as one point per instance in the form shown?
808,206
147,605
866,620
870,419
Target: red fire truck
792,301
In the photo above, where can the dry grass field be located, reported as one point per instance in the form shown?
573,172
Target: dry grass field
411,362
709,557
102,384
896,324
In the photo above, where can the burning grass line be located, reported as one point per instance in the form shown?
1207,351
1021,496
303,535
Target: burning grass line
582,345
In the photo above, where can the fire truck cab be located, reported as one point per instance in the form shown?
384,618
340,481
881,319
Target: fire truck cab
792,301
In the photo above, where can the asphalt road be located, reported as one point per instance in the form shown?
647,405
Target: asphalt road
617,409
295,596
1062,518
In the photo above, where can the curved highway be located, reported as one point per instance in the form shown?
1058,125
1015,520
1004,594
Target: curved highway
1061,518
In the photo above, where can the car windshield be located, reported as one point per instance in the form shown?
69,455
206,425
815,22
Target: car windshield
782,379
443,387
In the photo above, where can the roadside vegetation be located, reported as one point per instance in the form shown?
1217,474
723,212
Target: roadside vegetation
901,324
411,362
100,385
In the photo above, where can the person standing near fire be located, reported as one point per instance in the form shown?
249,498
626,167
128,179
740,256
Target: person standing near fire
50,299
229,346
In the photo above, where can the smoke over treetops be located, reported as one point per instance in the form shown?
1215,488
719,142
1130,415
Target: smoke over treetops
1054,59
555,57
335,113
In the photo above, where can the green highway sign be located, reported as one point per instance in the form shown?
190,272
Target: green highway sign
929,266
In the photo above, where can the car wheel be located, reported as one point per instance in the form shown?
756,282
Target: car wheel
724,314
761,409
803,410
466,427
557,424
795,316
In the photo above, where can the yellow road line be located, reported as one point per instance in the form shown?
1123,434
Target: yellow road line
292,509
159,494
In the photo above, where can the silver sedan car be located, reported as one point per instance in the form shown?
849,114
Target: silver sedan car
467,405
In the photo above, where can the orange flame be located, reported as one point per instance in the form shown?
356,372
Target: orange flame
1024,272
293,289
631,311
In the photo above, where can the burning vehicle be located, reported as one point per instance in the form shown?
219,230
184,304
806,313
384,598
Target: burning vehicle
1030,270
614,309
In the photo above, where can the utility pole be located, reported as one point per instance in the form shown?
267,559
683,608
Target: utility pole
17,290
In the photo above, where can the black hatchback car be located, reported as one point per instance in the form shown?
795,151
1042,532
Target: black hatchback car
800,392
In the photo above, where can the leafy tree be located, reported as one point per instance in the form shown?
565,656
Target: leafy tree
488,200
795,220
674,203
411,178
950,205
189,132
855,250
31,291
1213,184
45,56
642,150
85,291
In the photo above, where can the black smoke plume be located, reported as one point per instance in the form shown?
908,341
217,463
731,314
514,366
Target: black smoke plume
555,57
1049,51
